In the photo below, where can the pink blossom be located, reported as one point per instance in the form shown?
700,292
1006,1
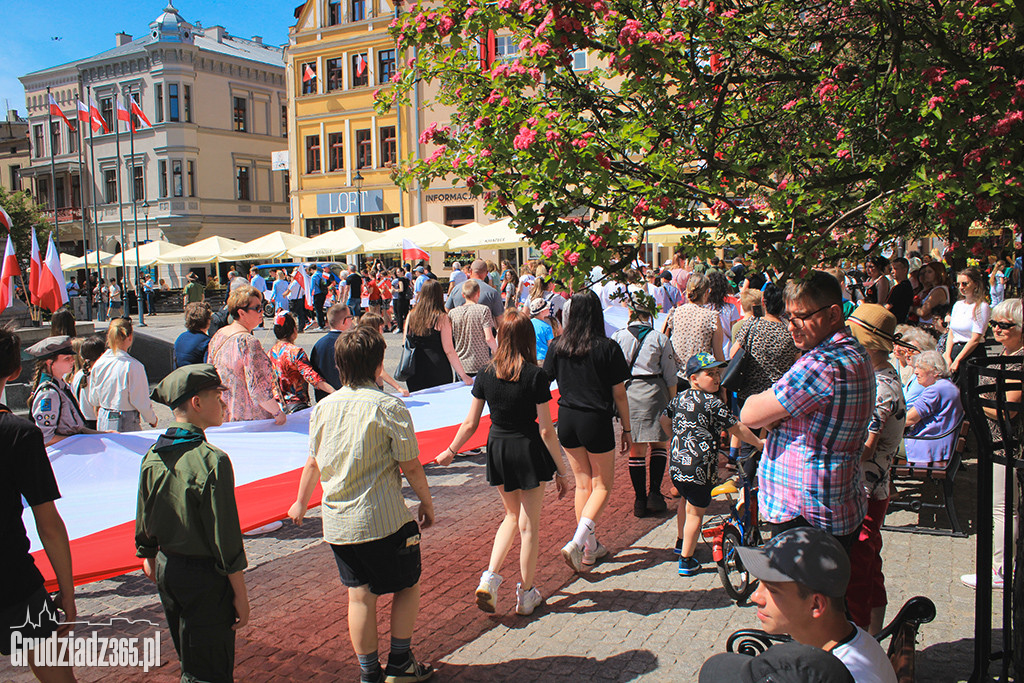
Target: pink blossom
826,89
525,138
552,135
933,75
428,135
540,50
960,84
783,184
843,153
603,160
470,12
551,115
505,5
685,3
840,135
437,154
504,102
630,32
596,240
983,205
641,208
481,122
789,105
396,77
484,153
730,13
935,101
445,25
1006,123
548,248
572,258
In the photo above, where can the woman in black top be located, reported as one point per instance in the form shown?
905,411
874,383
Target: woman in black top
591,372
521,455
430,330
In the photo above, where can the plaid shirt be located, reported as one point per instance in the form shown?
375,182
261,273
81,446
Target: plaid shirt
811,461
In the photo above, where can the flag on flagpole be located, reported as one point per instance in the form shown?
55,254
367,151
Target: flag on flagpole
35,267
7,274
53,293
360,65
97,117
56,111
83,111
410,252
5,220
123,115
137,110
308,74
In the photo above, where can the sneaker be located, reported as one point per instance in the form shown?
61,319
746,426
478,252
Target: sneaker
678,550
656,503
377,677
640,507
410,673
487,592
573,555
688,566
265,529
527,601
591,558
971,581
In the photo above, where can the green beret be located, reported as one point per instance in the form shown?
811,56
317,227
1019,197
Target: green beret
184,383
50,347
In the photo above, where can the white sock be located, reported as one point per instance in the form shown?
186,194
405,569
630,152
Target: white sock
584,530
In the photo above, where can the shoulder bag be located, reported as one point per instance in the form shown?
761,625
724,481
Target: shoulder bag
407,362
735,375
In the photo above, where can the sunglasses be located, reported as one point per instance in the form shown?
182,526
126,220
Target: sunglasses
251,309
1004,326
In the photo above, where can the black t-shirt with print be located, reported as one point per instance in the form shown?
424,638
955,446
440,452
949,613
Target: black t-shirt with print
698,419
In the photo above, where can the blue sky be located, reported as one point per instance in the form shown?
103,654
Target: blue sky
87,27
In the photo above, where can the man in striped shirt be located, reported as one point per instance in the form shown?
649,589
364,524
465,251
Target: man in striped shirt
818,415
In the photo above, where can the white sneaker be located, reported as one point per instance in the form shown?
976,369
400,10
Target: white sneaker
487,591
590,558
527,601
971,580
265,529
573,555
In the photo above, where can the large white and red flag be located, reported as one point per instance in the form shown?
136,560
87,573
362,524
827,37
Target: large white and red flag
360,65
83,111
53,293
6,222
410,252
35,267
137,110
308,74
97,117
56,111
306,282
123,115
8,272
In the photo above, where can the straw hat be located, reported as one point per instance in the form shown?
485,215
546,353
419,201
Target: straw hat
875,327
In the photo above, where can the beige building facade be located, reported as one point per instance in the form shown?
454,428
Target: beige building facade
14,151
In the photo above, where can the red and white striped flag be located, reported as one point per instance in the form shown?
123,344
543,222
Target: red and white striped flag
308,74
122,114
83,111
137,110
306,282
97,117
360,65
53,293
56,111
35,267
5,220
7,274
410,252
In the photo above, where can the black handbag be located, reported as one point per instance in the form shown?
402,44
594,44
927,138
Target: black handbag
407,362
735,375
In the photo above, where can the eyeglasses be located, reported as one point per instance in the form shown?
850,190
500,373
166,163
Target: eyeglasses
1003,326
800,319
963,284
251,309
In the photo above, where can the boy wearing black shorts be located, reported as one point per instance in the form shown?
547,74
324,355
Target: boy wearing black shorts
696,418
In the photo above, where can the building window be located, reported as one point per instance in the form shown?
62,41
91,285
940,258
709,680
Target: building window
388,151
72,141
360,69
191,179
238,114
43,190
188,103
287,185
312,154
15,177
242,182
308,70
335,74
107,112
364,149
159,103
110,185
378,222
58,194
385,66
335,151
76,191
333,12
357,10
172,102
459,215
579,60
505,48
55,138
284,120
37,137
176,179
163,178
138,185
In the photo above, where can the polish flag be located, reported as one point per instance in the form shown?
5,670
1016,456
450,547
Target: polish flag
6,221
123,115
360,65
308,74
56,111
83,111
137,110
35,268
97,117
306,283
53,293
7,274
410,252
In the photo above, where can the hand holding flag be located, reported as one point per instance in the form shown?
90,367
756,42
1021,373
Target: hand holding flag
410,252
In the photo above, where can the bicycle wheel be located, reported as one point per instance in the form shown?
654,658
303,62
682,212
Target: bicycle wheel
735,578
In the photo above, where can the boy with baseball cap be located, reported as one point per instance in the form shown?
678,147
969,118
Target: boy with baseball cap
696,418
804,573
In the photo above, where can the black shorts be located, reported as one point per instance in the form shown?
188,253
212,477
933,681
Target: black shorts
387,565
23,617
585,429
697,495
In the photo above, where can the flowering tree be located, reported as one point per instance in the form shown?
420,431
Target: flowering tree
800,131
25,214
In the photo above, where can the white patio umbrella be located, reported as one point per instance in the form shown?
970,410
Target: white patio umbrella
78,263
273,246
425,235
210,250
148,254
347,240
671,235
498,235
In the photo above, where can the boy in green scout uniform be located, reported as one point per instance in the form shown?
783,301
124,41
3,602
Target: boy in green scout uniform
187,530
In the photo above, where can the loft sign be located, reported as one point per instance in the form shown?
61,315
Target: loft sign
350,202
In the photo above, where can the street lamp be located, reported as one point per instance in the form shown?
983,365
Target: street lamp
358,182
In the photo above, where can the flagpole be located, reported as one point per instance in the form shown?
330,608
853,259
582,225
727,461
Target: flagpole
85,215
53,171
120,207
101,314
135,220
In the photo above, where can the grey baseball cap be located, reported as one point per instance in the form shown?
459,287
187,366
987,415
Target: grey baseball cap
806,555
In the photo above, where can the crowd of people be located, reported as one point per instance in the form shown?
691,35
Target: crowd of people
843,374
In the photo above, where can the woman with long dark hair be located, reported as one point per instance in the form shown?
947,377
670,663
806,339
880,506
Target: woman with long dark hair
522,453
591,372
430,330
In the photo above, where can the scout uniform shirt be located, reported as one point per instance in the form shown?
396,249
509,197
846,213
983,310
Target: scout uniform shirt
187,501
55,409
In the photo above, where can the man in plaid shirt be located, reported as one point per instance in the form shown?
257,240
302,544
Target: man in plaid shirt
818,415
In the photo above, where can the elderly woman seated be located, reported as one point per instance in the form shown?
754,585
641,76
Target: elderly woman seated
903,358
933,418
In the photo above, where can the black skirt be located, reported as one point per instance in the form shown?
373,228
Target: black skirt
517,460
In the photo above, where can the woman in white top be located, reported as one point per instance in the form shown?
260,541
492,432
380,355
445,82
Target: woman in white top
968,322
118,386
113,299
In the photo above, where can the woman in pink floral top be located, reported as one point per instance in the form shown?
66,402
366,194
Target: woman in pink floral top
291,366
242,364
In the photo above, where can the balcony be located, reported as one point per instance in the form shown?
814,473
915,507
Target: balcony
65,215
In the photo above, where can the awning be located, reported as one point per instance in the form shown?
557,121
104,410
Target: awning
88,262
425,235
210,250
273,246
347,240
148,254
498,235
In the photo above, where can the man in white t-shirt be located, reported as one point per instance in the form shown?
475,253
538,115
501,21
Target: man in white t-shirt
804,573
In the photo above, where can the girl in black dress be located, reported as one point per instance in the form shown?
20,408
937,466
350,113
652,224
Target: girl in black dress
430,330
522,452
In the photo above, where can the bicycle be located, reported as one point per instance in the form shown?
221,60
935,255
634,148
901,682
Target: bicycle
739,528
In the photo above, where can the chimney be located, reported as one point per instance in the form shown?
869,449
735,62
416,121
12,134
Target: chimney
217,33
258,40
122,38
